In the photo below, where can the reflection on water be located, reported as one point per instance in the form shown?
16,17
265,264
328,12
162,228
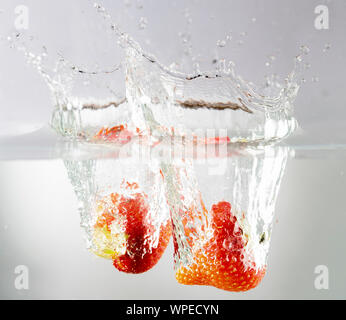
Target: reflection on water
218,201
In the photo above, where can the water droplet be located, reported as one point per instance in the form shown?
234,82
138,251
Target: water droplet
253,20
240,42
304,49
315,79
307,65
185,37
196,67
139,4
187,16
221,66
221,43
143,22
229,37
227,244
231,65
99,7
327,47
173,66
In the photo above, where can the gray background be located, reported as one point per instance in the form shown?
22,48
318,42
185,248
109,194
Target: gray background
39,224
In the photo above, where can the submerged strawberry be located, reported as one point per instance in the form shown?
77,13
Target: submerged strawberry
221,262
124,233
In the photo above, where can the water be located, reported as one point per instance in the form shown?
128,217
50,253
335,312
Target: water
42,231
181,191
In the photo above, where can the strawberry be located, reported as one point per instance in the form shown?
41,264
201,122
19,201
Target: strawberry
124,233
119,134
221,262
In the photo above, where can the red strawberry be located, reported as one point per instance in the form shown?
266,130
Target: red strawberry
124,234
221,262
118,134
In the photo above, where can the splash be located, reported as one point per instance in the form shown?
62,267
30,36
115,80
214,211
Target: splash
160,100
164,99
82,99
